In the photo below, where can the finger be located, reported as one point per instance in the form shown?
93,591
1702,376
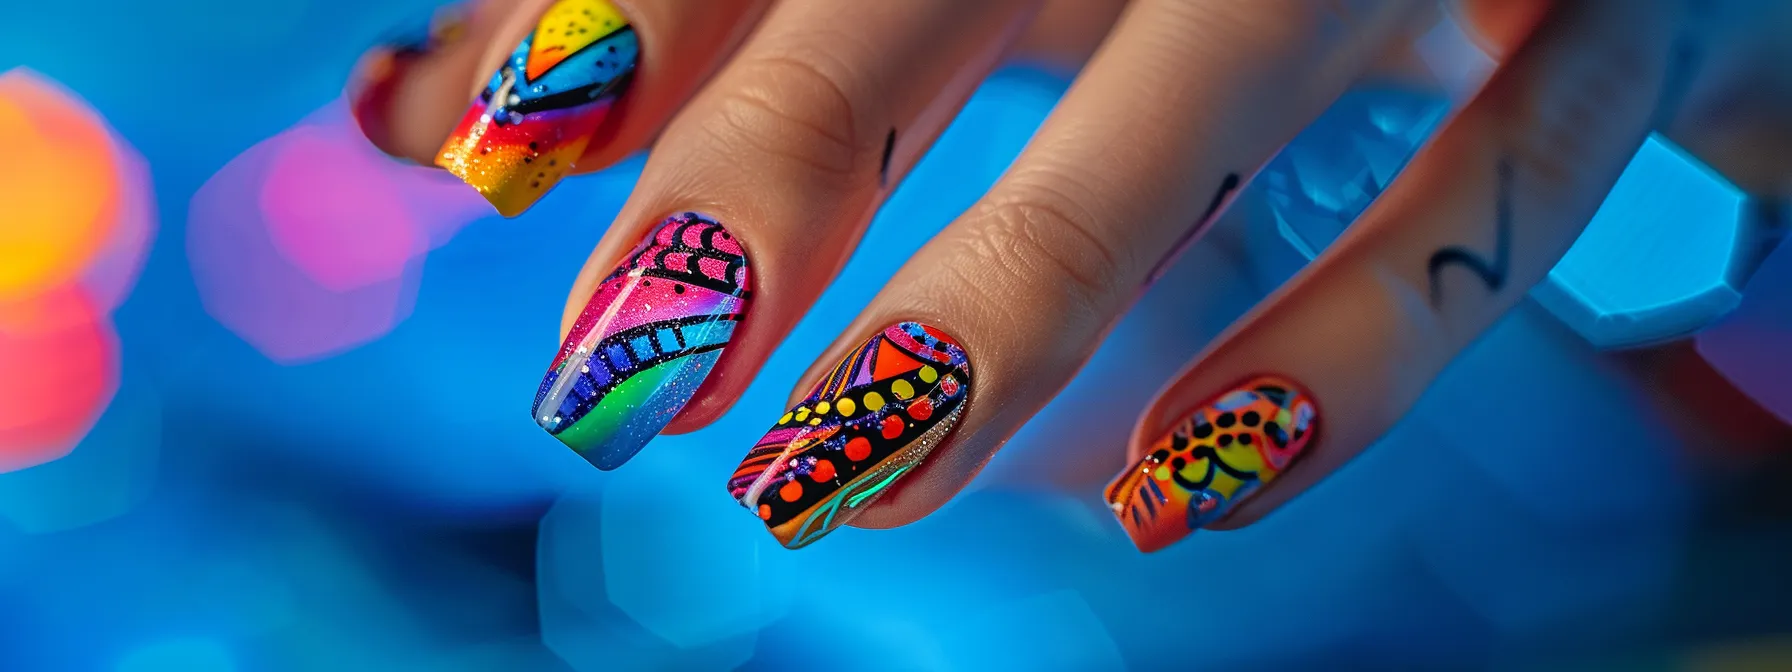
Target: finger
1024,286
408,76
788,152
1327,364
582,82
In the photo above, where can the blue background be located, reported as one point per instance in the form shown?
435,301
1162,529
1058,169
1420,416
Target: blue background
390,506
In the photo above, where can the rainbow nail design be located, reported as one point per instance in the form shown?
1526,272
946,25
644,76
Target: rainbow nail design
538,112
1220,455
648,337
882,409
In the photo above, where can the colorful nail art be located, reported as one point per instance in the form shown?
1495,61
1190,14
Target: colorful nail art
876,415
1220,455
648,337
538,112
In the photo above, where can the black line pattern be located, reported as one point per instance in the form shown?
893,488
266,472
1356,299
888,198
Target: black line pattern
883,169
1493,273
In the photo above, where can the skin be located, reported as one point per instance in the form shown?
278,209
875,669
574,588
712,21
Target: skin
774,117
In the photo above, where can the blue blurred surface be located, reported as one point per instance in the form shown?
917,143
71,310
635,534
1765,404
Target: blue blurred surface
231,513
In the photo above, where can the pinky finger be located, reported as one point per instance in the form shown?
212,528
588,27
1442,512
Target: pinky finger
1352,341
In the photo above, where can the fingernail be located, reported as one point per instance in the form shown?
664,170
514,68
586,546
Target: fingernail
535,116
876,415
647,338
1219,456
374,83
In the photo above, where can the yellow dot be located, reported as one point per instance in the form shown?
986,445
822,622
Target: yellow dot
822,407
873,401
1162,473
847,408
902,389
802,413
814,421
784,419
929,375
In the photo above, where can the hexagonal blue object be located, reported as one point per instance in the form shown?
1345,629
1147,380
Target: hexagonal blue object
1654,264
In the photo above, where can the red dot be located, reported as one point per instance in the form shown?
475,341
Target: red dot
823,471
858,449
892,426
949,386
765,512
921,409
791,491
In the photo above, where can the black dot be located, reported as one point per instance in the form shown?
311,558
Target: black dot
1251,418
534,147
612,48
1244,439
678,289
1275,434
541,174
646,283
1178,463
1225,440
1203,431
528,159
1159,455
553,162
1225,420
485,150
1178,441
535,184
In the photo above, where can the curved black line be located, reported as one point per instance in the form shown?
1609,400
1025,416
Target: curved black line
883,168
1492,273
1227,186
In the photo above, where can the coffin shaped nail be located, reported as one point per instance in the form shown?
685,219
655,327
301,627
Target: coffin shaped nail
870,421
535,116
1217,457
647,338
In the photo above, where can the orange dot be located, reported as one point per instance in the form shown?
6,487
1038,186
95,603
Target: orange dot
791,491
858,449
823,471
921,409
765,512
892,426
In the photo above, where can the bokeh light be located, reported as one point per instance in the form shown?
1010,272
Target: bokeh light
78,223
312,241
59,184
1752,347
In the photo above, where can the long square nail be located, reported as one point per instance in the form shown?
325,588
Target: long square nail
1216,458
647,338
879,412
535,116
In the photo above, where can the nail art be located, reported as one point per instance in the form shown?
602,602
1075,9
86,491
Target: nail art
370,92
538,112
876,415
647,338
1219,456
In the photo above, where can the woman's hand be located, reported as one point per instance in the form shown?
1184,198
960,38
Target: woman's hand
779,127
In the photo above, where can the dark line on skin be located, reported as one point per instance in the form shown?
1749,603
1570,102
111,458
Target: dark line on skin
1492,274
883,170
1227,186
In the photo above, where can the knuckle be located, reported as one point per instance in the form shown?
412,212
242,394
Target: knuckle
1046,241
795,109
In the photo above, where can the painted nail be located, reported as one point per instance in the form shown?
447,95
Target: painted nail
647,338
876,415
538,112
374,83
1222,453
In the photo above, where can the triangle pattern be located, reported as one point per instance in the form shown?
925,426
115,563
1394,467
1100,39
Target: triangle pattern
892,361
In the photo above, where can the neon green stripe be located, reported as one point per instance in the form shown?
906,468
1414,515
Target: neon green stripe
860,497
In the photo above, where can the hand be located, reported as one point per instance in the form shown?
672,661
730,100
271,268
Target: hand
788,138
